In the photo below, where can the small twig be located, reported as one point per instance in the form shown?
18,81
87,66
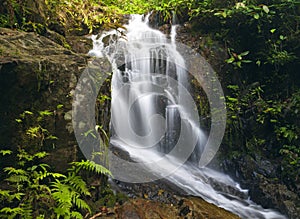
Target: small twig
96,215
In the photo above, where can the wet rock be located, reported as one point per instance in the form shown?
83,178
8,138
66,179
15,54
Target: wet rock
272,194
184,211
38,74
80,44
145,209
259,176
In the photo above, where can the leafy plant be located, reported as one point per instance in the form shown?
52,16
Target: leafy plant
237,59
33,190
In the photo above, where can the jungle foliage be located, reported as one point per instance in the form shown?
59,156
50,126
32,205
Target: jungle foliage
30,188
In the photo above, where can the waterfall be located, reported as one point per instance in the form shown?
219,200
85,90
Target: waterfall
154,118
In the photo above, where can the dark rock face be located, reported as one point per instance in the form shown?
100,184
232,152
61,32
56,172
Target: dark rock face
79,44
259,176
37,74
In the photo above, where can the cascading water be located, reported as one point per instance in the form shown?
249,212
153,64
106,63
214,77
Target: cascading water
149,97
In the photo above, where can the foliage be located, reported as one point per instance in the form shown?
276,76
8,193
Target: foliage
71,16
33,190
237,59
90,166
33,131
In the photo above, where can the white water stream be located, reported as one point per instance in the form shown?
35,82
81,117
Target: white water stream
151,113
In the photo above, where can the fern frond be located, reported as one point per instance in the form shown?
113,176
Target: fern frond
58,175
62,194
41,175
17,179
18,211
62,212
10,211
76,215
4,193
23,155
27,210
12,170
17,196
81,204
92,167
78,184
44,166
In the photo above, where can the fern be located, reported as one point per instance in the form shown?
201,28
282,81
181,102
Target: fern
37,192
78,184
12,170
17,179
12,213
34,189
68,192
67,198
81,204
76,215
4,193
91,166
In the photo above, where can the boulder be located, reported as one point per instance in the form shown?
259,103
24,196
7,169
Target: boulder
37,74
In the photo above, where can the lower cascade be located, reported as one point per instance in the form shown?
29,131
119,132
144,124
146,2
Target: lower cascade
154,118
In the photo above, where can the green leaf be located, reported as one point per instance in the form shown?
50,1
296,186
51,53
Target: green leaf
273,30
233,87
246,61
256,16
52,137
45,113
224,14
76,215
59,106
28,112
230,60
266,9
81,204
91,166
41,154
17,179
232,99
5,193
18,195
12,170
8,210
244,53
58,175
5,152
